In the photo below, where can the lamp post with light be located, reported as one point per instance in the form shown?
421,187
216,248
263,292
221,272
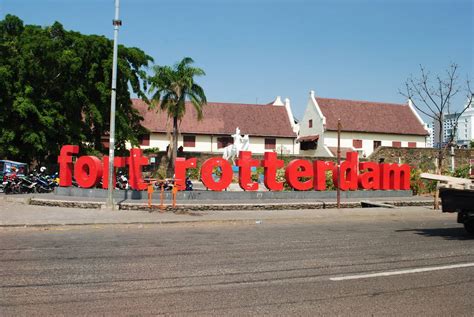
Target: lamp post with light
111,182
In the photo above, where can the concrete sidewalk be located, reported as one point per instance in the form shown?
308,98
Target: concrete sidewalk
17,213
198,205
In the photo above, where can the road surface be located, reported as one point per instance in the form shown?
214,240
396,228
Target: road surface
371,265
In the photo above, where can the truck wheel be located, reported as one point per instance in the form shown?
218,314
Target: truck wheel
469,226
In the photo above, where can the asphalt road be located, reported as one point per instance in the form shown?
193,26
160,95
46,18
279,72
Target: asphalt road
272,268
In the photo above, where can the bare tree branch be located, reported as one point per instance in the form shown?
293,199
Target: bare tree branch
434,99
425,88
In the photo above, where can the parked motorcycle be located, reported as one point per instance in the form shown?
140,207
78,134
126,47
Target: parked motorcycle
189,184
166,184
121,181
44,182
11,185
18,185
27,185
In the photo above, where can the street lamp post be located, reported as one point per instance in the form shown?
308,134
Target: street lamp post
338,188
111,182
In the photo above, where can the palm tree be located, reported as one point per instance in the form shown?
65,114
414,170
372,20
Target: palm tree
171,87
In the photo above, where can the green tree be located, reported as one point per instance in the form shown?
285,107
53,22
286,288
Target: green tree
55,90
171,87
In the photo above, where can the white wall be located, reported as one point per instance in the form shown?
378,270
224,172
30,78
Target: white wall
313,112
158,140
208,143
465,131
369,138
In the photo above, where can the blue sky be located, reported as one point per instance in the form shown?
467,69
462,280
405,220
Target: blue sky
255,50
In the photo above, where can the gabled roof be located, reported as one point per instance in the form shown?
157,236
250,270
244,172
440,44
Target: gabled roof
372,117
222,119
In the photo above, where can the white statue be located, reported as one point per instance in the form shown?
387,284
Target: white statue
245,143
237,140
240,144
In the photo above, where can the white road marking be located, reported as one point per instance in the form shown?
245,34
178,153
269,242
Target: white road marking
400,272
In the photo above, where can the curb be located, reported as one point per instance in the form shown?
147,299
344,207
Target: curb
218,207
170,222
66,203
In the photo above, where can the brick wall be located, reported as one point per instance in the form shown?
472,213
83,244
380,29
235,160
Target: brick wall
423,158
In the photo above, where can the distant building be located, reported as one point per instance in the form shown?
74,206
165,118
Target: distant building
465,130
271,127
430,138
365,126
462,135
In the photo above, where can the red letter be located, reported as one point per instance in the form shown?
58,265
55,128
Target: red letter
118,162
271,163
297,169
87,171
65,164
370,179
180,167
245,162
206,174
348,172
320,168
135,163
395,176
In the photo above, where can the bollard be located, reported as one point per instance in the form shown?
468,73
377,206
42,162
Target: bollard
162,206
150,194
175,190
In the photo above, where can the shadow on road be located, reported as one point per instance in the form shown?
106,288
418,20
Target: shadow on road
457,233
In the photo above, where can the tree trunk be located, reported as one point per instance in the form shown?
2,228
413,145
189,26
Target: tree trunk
439,168
173,148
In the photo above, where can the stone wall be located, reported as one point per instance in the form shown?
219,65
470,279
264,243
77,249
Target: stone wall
423,158
161,159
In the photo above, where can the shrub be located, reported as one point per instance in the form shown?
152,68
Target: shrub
420,186
462,171
194,173
153,150
159,173
329,181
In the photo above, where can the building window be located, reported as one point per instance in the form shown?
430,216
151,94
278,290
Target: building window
357,144
310,123
145,140
189,140
309,145
412,144
270,144
224,141
377,144
397,144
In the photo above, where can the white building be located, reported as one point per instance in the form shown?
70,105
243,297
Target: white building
430,138
271,127
364,126
464,132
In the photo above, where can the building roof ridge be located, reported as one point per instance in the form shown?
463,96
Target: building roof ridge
223,103
364,101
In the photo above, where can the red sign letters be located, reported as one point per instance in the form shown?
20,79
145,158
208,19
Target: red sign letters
89,170
299,174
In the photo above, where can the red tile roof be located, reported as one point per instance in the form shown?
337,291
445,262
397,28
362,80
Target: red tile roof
373,117
222,119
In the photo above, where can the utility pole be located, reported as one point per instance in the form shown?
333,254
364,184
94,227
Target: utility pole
338,187
111,182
